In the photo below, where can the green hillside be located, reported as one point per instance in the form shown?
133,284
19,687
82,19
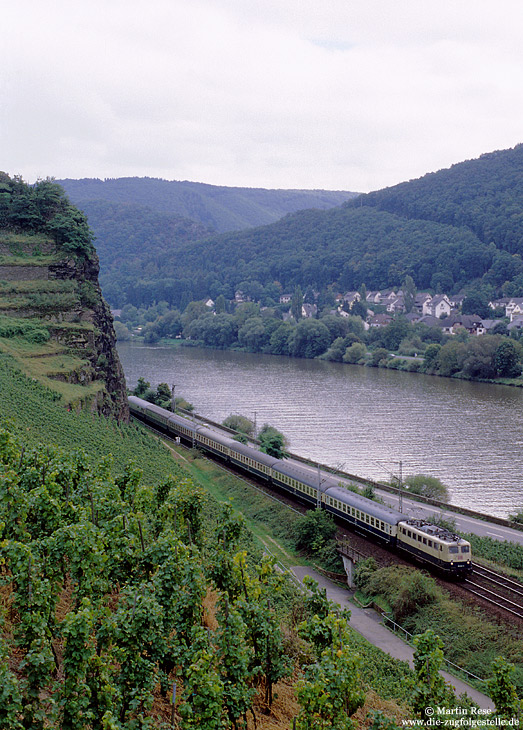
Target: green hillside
458,228
484,195
216,207
122,577
133,241
343,247
53,320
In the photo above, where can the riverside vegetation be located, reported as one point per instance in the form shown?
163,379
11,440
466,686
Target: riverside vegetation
399,345
119,581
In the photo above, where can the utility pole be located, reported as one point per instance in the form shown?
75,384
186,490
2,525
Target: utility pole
173,399
400,495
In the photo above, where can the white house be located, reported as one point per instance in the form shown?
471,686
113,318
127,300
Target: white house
514,308
350,298
438,306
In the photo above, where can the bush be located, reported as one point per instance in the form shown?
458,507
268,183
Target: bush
363,571
273,442
355,353
378,355
427,486
313,531
405,589
38,335
239,423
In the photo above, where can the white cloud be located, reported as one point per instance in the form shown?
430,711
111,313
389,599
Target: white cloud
345,94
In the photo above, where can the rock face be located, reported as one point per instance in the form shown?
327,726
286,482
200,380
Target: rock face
104,359
53,320
79,323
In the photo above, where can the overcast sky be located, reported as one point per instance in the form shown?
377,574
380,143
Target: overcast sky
336,94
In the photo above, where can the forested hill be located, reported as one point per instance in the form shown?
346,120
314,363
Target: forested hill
134,242
215,207
452,229
342,247
485,195
457,228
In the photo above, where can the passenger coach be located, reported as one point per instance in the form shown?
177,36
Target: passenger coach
425,542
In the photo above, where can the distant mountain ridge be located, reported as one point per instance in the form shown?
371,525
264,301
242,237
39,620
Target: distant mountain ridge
218,208
455,229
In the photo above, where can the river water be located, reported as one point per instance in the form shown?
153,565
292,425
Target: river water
362,420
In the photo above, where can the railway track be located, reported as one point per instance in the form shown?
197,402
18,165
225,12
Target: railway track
503,595
496,589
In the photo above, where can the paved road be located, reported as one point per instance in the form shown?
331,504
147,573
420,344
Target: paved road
367,622
463,523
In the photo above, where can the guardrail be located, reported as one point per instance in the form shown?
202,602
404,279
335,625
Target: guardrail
398,629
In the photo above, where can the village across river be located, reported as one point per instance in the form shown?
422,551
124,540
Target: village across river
362,420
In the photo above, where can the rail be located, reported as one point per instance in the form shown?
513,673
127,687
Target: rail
511,602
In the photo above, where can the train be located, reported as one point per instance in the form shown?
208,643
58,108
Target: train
435,547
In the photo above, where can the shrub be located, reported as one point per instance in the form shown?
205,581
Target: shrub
363,571
427,486
354,353
405,589
313,531
239,423
378,355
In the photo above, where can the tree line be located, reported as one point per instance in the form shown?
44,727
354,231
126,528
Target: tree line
398,345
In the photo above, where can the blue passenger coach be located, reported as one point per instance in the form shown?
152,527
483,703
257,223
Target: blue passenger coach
430,544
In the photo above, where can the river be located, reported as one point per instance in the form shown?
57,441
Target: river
362,420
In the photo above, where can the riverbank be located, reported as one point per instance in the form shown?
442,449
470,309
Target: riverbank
384,360
359,420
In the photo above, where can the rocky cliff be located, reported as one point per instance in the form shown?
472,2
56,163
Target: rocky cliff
53,319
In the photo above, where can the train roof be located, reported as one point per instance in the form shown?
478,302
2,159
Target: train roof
440,533
369,506
295,470
134,400
253,453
